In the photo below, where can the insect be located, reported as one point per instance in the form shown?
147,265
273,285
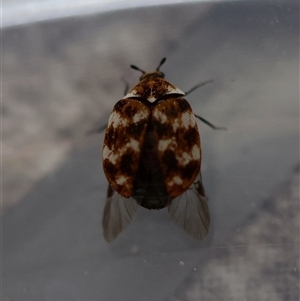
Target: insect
152,157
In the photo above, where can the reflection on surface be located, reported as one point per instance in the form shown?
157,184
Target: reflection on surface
19,12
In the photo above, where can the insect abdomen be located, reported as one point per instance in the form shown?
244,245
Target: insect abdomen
149,188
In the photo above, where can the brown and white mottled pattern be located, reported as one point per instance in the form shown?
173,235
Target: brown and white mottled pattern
123,142
178,144
153,89
152,157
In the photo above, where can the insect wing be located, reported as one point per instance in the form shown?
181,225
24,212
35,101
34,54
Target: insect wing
178,141
190,211
117,215
123,141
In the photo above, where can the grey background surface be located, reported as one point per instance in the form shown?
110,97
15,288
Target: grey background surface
62,78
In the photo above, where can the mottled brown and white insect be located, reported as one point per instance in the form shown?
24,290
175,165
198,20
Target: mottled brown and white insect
152,158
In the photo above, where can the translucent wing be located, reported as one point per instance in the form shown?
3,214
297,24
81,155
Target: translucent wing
190,211
117,215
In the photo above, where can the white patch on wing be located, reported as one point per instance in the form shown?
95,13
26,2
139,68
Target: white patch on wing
142,114
188,120
174,90
163,144
196,152
151,99
160,116
113,155
121,180
134,145
106,152
175,124
131,94
177,180
115,120
184,159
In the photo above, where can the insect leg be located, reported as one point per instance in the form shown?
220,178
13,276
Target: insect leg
199,117
97,130
210,124
126,86
102,128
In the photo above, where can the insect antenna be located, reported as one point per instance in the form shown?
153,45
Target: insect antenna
161,63
136,68
198,86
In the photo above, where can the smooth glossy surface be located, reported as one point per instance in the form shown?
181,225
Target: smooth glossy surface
67,74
